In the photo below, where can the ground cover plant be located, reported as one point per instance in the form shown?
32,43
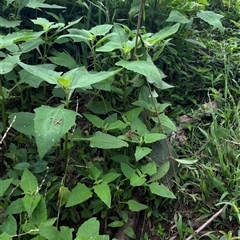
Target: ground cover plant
119,120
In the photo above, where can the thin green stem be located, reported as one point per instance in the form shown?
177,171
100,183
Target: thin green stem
4,118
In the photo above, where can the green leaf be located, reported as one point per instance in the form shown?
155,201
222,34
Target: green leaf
127,170
109,177
95,120
164,33
100,107
28,78
66,232
153,137
90,230
23,122
116,224
15,207
161,172
9,226
101,30
50,233
4,184
141,152
50,124
43,72
22,166
37,4
160,190
79,194
118,125
176,16
43,22
136,206
39,214
83,79
8,63
103,192
166,122
130,233
30,202
9,24
5,236
149,169
146,68
28,183
63,59
136,181
211,18
106,141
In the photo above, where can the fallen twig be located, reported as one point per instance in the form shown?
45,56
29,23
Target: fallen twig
205,224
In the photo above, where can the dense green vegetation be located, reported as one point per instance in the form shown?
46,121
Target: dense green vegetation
119,119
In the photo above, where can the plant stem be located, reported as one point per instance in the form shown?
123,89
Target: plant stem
4,118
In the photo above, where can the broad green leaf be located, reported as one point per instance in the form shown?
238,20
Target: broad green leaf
83,79
39,214
103,192
43,22
63,195
30,202
8,24
136,181
160,190
23,122
149,169
29,226
100,107
50,233
42,72
90,230
30,45
136,206
164,33
105,141
116,125
94,119
22,166
166,122
28,183
15,207
5,236
66,232
109,177
50,124
8,63
63,59
161,172
101,30
30,79
146,68
16,37
141,152
94,173
79,194
176,16
9,226
127,170
133,113
4,184
211,18
139,127
37,4
130,232
153,137
116,224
